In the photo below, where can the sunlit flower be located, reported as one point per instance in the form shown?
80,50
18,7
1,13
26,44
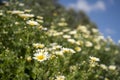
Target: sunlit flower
73,68
16,23
21,4
67,50
71,41
73,32
41,56
32,23
112,67
26,15
16,12
106,79
98,38
80,42
52,56
38,45
58,34
78,49
103,66
66,36
60,77
62,24
56,47
1,14
27,10
82,29
45,29
29,58
101,37
58,53
40,21
86,35
40,17
97,47
77,35
94,30
88,44
66,30
94,59
53,44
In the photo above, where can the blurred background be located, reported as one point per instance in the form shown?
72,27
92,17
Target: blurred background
105,13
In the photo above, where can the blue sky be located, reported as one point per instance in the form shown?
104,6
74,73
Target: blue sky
105,13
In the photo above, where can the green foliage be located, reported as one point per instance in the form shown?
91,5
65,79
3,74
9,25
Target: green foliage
53,44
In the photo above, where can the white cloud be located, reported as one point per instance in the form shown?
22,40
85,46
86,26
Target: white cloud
87,7
109,31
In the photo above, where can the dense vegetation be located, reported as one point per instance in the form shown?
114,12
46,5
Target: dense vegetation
42,40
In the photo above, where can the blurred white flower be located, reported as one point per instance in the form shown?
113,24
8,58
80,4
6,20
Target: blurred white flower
26,15
40,17
16,23
27,10
94,59
88,44
58,33
73,32
112,67
60,77
29,58
58,53
67,50
80,42
71,41
56,47
106,79
66,30
78,49
38,45
62,24
1,14
63,19
32,23
94,30
97,47
21,4
66,36
40,21
16,12
103,66
82,29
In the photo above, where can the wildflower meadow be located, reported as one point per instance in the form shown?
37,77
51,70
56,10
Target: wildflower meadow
40,41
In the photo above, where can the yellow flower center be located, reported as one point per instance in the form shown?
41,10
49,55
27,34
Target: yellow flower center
41,57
